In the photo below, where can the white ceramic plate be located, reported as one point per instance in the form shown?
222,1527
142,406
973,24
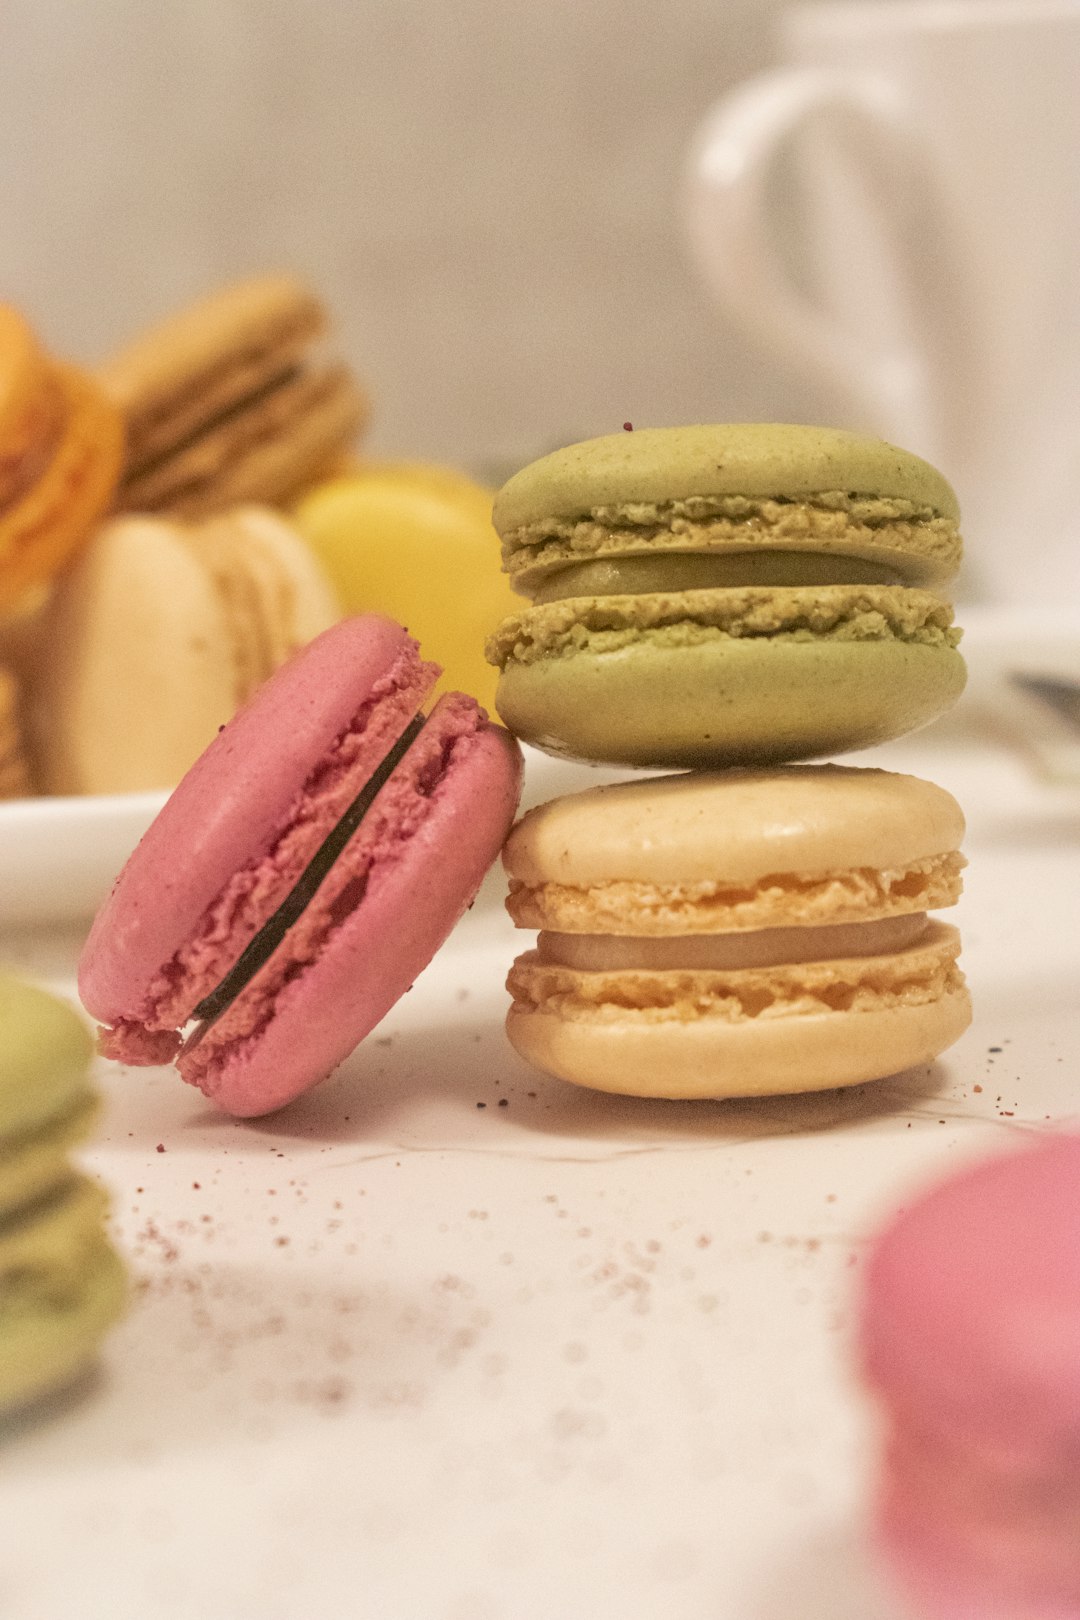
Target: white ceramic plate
58,857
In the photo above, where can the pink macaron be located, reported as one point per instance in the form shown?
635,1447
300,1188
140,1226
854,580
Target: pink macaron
971,1339
303,873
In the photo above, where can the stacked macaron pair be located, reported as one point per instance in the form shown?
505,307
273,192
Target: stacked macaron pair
61,1283
723,601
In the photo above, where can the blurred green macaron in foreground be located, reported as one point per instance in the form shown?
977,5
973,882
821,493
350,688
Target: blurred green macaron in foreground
730,594
61,1283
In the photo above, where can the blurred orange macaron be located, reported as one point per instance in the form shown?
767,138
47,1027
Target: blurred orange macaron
61,445
14,774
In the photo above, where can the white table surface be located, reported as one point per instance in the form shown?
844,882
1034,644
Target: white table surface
393,1353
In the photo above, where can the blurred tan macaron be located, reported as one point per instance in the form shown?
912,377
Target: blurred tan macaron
230,399
157,635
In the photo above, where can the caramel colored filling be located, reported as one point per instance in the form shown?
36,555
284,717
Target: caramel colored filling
758,948
780,900
920,974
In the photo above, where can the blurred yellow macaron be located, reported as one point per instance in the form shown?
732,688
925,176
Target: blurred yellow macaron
415,541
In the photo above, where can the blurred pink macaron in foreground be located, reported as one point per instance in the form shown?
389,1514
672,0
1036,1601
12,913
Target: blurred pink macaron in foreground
305,870
971,1339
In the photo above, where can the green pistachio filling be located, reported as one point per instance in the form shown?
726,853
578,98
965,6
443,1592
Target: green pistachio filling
607,624
881,539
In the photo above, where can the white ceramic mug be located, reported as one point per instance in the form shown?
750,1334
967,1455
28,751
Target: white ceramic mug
895,212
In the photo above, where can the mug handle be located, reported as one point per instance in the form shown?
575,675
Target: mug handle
730,171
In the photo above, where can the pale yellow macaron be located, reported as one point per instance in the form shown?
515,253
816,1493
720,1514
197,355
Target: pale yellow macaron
738,933
415,542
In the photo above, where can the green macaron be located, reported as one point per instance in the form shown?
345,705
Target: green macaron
713,595
61,1286
61,1283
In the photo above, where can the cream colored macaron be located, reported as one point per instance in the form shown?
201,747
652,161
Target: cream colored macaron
154,638
738,933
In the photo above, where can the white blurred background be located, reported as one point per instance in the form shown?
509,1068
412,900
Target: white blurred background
486,193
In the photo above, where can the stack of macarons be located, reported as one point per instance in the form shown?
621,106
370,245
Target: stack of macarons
724,601
61,1283
242,526
127,644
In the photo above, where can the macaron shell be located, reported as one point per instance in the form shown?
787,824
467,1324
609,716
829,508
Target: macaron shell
29,438
842,896
967,1269
712,1058
416,542
39,533
265,450
14,768
993,1550
61,1287
276,598
410,901
201,361
33,407
45,1051
136,671
237,799
970,1336
755,458
737,827
727,701
23,372
46,1103
786,1001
